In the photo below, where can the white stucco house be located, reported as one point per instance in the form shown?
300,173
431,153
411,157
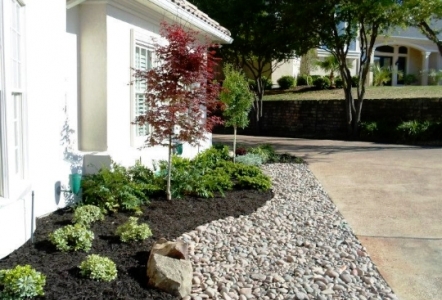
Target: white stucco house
65,97
406,50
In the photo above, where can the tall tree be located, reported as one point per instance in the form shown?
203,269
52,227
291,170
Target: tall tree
337,24
263,37
181,92
238,100
425,15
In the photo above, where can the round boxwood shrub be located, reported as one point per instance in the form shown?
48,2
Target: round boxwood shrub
303,80
132,231
22,282
321,83
286,82
98,268
72,237
87,214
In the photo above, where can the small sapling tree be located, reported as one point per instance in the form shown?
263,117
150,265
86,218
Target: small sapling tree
238,100
181,93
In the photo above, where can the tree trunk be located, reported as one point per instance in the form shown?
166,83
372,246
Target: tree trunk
169,170
234,144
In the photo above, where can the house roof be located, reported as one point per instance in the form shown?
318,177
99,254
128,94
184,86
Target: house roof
180,8
192,9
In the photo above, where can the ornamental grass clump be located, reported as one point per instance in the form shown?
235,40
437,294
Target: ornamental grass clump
98,268
72,238
22,282
132,231
87,214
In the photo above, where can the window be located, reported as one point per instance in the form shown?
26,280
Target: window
143,61
12,101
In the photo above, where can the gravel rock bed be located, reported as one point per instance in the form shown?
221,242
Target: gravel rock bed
297,246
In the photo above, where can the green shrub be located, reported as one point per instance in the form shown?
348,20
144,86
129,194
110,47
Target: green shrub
286,82
369,129
410,79
303,80
354,81
260,182
267,82
98,268
413,131
22,282
250,159
87,214
321,83
72,237
132,231
266,152
119,188
339,83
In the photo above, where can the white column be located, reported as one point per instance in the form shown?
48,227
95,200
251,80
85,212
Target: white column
394,66
425,66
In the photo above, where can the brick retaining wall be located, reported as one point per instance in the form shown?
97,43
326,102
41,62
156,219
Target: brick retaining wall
326,118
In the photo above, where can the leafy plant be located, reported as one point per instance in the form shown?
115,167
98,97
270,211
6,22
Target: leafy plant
250,159
119,188
369,129
132,231
434,76
304,80
339,83
266,152
331,65
87,214
238,100
321,83
72,237
410,79
178,89
381,75
286,82
21,282
99,268
413,130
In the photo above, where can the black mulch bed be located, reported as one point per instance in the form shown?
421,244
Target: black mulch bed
166,219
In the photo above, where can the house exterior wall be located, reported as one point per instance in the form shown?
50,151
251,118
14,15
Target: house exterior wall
45,98
77,71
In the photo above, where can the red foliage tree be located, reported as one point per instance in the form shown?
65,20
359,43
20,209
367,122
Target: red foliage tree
181,93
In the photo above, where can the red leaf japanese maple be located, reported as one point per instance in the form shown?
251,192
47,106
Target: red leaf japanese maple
181,92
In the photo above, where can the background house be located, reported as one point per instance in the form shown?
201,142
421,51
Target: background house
406,50
65,97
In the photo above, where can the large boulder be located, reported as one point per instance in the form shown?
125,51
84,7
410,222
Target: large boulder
170,274
178,249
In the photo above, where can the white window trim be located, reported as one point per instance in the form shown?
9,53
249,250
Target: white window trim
146,40
13,187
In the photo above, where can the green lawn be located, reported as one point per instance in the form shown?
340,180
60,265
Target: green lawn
384,92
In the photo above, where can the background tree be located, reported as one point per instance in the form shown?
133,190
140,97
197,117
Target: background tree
331,65
263,37
425,15
238,100
181,93
336,24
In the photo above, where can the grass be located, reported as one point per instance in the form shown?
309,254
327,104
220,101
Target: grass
384,92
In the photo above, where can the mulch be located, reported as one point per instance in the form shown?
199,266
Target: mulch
166,219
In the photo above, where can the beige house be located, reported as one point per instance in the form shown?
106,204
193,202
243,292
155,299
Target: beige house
404,50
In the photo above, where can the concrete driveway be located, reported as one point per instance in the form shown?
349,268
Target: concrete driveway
391,195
